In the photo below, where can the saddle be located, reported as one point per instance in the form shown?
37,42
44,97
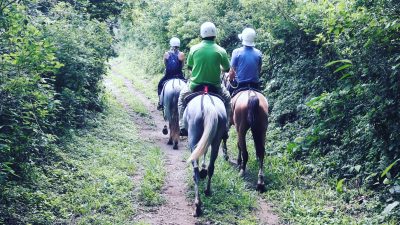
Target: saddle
202,90
173,82
246,88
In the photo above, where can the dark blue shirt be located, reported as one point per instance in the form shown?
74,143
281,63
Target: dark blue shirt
246,61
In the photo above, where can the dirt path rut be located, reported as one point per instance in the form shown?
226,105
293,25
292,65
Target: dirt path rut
177,209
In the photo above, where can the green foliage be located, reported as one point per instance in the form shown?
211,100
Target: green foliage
84,54
339,185
27,96
52,58
330,73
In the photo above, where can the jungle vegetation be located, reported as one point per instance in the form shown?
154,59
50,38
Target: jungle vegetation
331,73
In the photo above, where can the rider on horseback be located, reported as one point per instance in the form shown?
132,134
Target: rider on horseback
205,61
246,62
173,61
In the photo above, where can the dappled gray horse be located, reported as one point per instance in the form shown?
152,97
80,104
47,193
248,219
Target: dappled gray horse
205,120
169,97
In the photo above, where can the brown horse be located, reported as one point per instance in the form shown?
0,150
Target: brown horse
250,111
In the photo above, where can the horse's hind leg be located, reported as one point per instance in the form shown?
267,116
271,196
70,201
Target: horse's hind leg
170,141
174,128
203,171
243,150
213,157
196,178
225,149
259,142
175,136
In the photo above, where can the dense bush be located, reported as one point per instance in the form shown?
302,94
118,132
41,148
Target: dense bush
330,72
27,95
52,59
83,55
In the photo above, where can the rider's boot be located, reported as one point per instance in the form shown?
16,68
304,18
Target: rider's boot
181,109
160,107
183,132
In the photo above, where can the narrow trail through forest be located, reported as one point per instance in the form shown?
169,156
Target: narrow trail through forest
177,209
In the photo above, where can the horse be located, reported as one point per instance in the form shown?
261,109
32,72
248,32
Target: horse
205,120
250,112
169,96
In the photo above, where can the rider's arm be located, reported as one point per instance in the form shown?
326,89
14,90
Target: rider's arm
234,63
225,62
166,55
181,57
190,63
232,74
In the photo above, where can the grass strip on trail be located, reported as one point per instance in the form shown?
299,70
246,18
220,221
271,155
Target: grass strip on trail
105,159
154,177
142,82
92,180
134,103
231,201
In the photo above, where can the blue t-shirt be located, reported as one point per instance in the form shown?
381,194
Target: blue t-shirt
246,61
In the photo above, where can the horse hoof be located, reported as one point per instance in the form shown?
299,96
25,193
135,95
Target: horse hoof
175,146
241,173
169,142
208,192
165,130
260,188
197,212
203,173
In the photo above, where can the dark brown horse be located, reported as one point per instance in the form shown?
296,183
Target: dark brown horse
250,112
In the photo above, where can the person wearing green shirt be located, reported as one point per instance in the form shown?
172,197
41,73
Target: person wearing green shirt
205,61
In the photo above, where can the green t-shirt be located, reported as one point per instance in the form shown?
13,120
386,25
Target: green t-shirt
206,59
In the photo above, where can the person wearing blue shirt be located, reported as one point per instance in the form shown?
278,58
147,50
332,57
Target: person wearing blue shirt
246,62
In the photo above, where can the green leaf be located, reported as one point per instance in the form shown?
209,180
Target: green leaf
290,147
390,207
339,185
388,168
342,68
345,76
338,61
386,181
357,168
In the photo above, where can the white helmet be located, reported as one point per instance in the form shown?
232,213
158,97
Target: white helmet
247,36
208,29
174,42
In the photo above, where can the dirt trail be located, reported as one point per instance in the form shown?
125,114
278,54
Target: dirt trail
177,208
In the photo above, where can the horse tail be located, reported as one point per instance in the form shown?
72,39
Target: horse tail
170,100
209,131
252,110
174,104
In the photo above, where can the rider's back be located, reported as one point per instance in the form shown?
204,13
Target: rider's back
173,65
205,59
247,62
